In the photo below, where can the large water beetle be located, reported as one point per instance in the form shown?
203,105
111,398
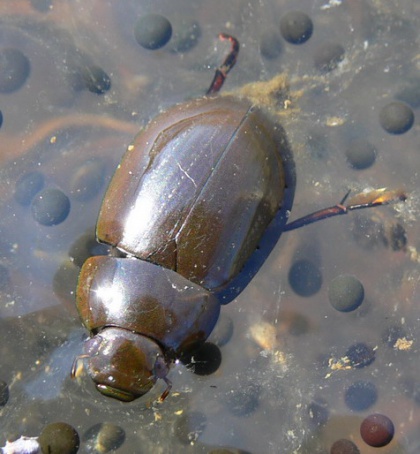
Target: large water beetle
196,205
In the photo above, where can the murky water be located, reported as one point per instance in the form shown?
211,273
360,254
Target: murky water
73,96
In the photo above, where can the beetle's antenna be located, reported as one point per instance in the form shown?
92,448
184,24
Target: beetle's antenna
226,66
369,199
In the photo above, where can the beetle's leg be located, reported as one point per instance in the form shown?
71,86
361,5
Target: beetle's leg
376,197
226,66
76,364
92,346
345,197
370,199
160,370
165,393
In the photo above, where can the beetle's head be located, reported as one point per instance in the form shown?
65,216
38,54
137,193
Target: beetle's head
124,365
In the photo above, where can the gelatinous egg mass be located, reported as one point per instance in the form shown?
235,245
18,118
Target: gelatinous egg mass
296,27
153,31
50,207
59,438
377,430
346,293
14,70
319,352
396,117
344,446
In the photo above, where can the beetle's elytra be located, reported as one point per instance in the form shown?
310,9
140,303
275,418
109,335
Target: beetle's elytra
200,184
196,195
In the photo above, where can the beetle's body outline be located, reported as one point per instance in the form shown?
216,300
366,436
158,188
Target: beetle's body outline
161,252
139,327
